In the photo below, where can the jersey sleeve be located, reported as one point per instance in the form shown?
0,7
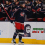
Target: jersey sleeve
16,13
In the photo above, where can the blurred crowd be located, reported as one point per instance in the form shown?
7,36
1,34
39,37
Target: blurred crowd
36,11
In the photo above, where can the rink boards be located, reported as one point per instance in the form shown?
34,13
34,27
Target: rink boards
26,41
7,30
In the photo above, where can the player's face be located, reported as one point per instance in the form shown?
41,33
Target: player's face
23,5
25,1
28,29
7,2
17,3
14,0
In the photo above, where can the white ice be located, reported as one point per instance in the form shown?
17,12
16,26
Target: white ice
17,44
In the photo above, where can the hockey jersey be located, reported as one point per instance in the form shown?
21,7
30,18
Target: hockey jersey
20,15
40,5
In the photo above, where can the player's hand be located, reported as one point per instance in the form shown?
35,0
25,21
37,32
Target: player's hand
11,21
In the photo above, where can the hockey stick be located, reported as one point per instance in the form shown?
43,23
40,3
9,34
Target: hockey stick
6,12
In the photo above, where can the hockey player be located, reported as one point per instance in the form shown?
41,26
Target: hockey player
7,8
40,4
34,10
19,23
29,5
40,7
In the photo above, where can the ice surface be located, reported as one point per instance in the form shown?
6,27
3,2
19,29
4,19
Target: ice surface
17,44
